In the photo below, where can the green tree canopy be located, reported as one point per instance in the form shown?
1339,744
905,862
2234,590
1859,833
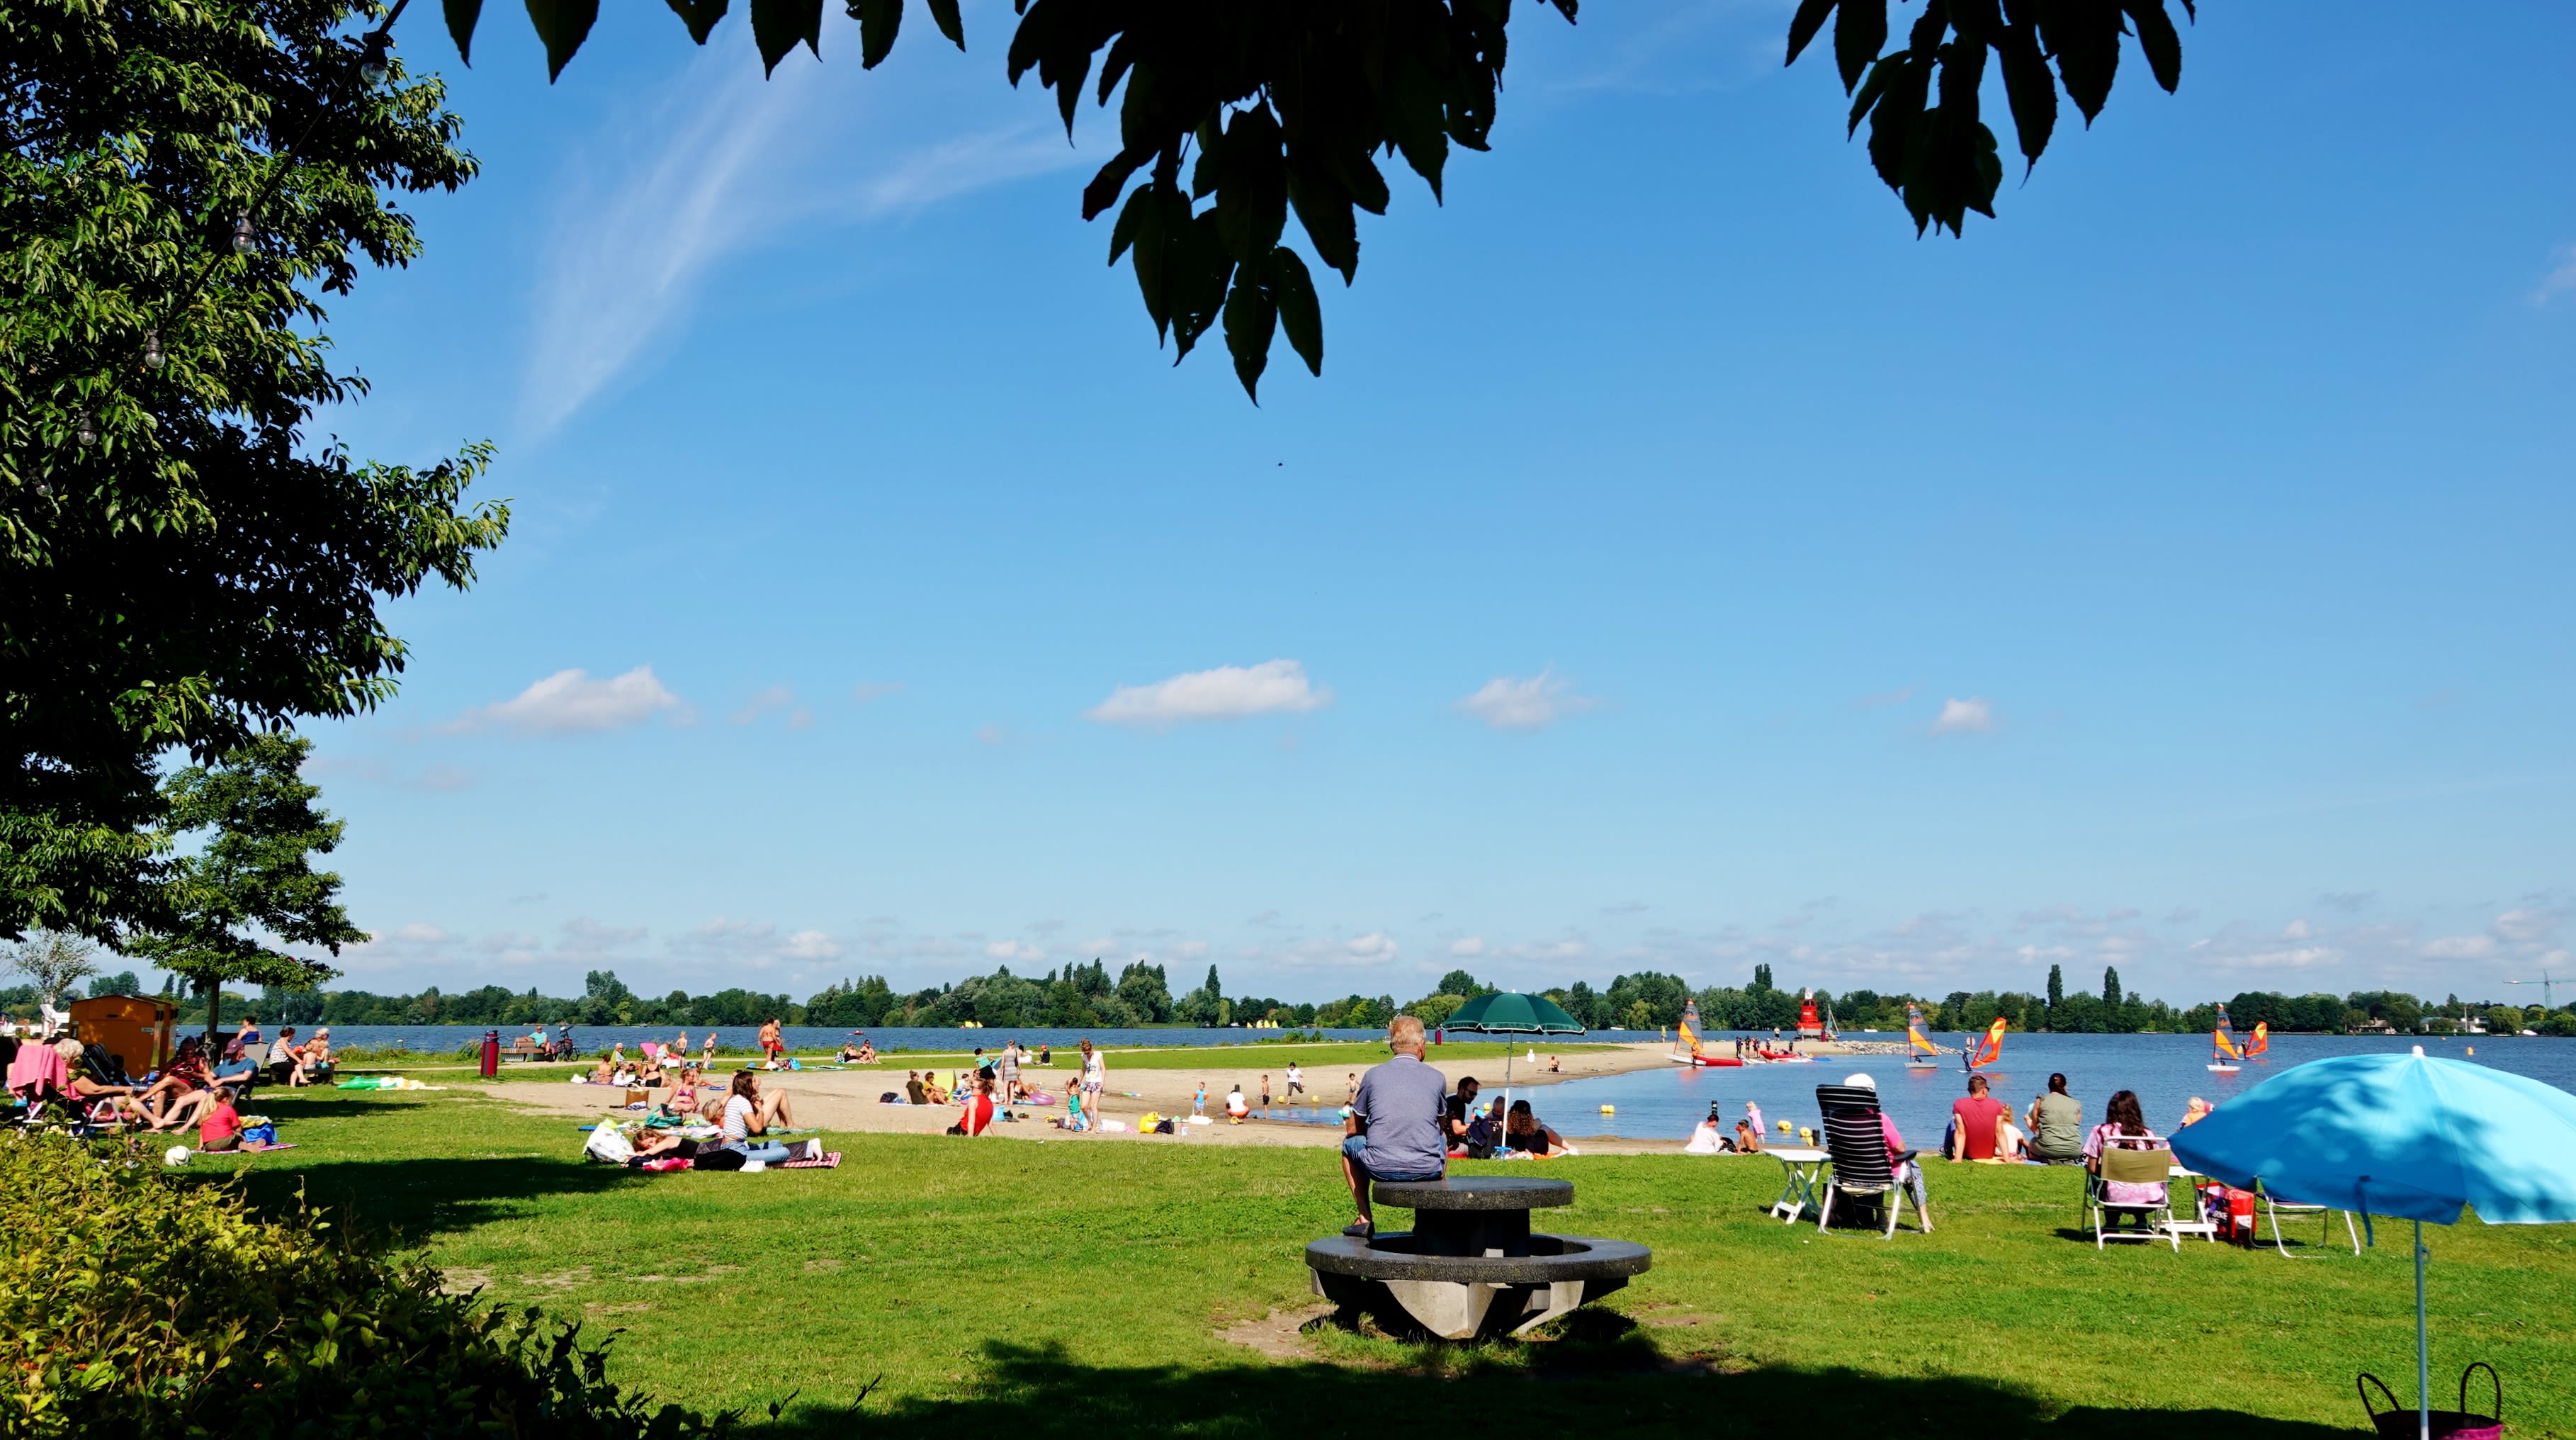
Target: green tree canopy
184,183
1288,107
250,884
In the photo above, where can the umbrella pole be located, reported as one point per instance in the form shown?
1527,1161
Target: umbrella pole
2423,1358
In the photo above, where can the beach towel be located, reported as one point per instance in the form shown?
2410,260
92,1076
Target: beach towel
828,1160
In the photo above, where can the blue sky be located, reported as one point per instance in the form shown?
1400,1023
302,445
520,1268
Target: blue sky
1679,565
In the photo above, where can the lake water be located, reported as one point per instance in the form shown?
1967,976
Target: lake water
811,1039
2165,1070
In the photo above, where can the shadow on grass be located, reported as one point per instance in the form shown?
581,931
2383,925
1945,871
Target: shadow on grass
1613,1378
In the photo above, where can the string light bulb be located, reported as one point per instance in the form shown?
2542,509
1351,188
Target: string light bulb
87,434
375,69
153,358
245,239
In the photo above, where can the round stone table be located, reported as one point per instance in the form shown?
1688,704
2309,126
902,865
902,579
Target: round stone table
1471,1265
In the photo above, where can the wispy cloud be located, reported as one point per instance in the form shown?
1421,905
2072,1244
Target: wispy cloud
2561,279
1228,692
1510,702
1972,716
718,162
569,702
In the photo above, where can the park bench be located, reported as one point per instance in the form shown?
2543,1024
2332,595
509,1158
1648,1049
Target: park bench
524,1048
1471,1265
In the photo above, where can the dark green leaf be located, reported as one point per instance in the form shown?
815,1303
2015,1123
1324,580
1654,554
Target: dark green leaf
699,15
2085,38
1251,317
1252,199
1293,291
1104,189
2028,88
878,22
562,25
1196,286
778,26
1860,32
1325,210
1809,19
943,13
2156,36
461,16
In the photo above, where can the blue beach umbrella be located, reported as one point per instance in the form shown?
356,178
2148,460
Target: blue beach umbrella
2401,1135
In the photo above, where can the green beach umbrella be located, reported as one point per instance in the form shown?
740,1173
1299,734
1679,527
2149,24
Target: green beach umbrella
1508,1012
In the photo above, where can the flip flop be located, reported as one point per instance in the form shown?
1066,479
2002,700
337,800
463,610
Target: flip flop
1359,1232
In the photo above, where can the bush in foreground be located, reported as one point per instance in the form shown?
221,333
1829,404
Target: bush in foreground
134,1306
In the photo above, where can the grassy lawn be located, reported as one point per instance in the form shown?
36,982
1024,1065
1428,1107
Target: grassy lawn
1078,1288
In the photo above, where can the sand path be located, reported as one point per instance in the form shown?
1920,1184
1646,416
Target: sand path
845,1100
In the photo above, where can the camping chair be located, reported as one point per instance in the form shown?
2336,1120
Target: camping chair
1858,1146
2274,1208
2129,1166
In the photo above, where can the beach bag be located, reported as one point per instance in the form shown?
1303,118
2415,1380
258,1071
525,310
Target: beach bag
1163,1129
889,1098
2461,1424
261,1134
608,1147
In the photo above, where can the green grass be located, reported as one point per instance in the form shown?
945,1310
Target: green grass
1077,1288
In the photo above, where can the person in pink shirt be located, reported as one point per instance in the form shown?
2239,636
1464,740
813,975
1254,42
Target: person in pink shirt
1899,1159
220,1126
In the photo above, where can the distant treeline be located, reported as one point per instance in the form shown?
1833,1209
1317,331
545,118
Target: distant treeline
1088,996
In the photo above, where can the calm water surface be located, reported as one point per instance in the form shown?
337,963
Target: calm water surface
2165,1070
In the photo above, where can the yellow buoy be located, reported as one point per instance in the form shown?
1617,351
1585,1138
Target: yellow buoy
1788,1129
2473,1049
1609,1109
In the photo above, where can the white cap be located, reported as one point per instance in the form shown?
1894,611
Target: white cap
1864,1080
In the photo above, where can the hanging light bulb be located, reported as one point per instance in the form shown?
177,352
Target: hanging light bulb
245,239
87,434
153,359
374,68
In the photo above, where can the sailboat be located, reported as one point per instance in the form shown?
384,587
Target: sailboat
1686,1049
2223,1053
2262,1041
1979,1054
1919,1048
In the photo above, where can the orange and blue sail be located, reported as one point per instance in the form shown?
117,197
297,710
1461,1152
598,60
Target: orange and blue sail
1917,1042
1989,1048
2262,1039
2223,1039
1689,1038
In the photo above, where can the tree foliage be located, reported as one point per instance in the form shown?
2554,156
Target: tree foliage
1927,139
181,184
250,884
53,963
1262,108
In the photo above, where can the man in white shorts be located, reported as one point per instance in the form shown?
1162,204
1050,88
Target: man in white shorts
1296,1082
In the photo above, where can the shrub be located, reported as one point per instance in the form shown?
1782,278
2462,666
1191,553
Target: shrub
135,1305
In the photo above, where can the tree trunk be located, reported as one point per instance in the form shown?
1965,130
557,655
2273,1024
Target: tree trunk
214,1017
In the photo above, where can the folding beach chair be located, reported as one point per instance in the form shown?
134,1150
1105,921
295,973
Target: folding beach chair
2274,1208
2128,1166
1862,1168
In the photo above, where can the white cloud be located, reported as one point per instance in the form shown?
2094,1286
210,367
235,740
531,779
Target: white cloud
2560,280
2528,925
1472,945
1508,702
719,162
775,697
1228,692
569,702
811,945
2459,947
1014,950
1972,716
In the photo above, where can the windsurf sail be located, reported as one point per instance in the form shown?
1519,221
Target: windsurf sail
1916,1041
1689,1037
1989,1048
2262,1039
2223,1039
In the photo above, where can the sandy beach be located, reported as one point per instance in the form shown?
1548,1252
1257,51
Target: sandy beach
843,1100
